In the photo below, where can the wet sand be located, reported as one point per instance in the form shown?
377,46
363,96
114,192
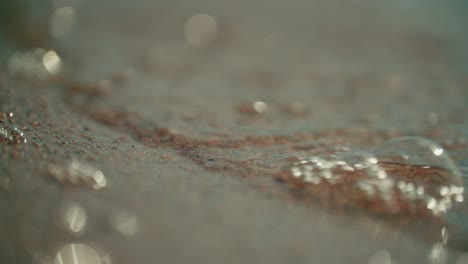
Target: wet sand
170,134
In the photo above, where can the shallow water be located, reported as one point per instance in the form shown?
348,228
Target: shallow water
251,131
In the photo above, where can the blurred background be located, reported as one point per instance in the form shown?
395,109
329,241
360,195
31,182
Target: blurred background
153,131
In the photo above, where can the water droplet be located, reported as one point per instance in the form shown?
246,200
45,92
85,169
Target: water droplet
74,217
260,107
438,151
78,254
77,172
125,223
381,257
52,62
201,30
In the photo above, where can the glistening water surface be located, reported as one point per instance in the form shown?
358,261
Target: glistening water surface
248,131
